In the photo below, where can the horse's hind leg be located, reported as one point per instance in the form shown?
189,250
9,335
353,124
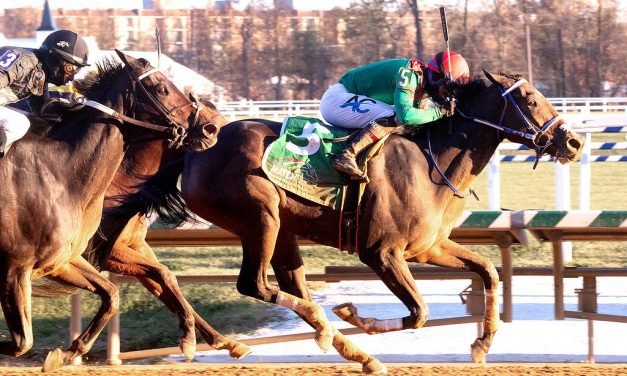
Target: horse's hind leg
141,263
453,255
290,274
258,244
82,274
16,305
288,266
392,269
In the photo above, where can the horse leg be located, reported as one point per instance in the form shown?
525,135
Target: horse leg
391,267
141,263
258,244
16,305
81,273
290,274
453,255
288,266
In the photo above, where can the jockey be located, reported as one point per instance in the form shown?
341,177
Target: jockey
379,96
25,73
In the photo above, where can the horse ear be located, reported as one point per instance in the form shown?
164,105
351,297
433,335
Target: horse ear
128,60
496,78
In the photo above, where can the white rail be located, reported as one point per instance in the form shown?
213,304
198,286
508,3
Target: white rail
276,110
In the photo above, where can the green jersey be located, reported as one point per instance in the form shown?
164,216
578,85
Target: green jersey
396,83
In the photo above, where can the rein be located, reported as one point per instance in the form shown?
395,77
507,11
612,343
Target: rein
537,135
175,132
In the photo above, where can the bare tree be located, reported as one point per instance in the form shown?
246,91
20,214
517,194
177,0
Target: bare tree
415,11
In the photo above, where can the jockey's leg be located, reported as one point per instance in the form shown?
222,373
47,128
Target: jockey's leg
346,161
13,126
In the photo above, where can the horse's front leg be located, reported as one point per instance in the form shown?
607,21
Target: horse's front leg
15,295
140,262
391,267
453,255
81,273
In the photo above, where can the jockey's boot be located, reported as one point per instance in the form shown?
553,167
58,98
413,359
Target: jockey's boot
3,142
346,160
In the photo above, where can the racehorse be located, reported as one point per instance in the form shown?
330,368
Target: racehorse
120,246
54,181
418,181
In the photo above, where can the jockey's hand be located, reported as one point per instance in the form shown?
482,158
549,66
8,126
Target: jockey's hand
74,102
448,108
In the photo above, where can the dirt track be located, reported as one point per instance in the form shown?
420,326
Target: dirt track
331,369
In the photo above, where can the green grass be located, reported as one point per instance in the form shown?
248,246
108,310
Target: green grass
145,323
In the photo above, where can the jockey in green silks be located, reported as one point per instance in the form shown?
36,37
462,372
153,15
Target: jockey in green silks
378,97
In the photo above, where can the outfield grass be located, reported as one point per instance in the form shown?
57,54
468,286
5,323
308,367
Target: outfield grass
145,323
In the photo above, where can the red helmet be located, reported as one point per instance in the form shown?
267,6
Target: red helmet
458,67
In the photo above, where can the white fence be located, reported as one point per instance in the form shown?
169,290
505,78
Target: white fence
586,115
276,110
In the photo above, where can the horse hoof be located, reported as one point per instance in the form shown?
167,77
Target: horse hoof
239,351
324,341
345,311
188,349
374,367
54,360
477,352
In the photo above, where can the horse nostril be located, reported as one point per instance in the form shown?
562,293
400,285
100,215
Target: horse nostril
574,144
210,129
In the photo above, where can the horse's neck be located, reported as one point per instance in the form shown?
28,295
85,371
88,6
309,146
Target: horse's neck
141,161
466,152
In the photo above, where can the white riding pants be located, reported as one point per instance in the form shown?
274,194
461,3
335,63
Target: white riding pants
14,124
343,109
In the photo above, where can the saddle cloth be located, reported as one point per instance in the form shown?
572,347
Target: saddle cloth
298,161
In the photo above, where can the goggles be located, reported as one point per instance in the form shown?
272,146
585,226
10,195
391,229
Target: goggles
70,69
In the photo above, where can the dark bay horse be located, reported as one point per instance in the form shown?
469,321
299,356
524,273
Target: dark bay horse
54,181
407,212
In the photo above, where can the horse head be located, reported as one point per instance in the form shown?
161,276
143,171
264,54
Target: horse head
190,122
530,119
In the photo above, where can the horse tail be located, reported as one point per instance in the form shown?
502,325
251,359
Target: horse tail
158,194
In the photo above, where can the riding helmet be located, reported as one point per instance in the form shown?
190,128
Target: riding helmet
459,70
67,46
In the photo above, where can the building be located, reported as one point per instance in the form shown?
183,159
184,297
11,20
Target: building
183,77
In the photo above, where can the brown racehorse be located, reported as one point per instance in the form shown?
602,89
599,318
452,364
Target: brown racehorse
54,181
120,246
407,212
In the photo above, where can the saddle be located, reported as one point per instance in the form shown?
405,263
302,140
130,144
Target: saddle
299,162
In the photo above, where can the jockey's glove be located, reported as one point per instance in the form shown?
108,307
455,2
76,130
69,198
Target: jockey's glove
447,108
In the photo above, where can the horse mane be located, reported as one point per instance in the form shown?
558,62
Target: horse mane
462,92
96,82
159,194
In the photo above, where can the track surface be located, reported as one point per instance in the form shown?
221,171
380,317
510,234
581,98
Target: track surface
332,369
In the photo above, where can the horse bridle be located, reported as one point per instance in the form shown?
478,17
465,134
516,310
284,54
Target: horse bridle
537,135
175,133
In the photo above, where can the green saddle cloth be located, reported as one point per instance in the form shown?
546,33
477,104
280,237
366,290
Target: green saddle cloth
298,161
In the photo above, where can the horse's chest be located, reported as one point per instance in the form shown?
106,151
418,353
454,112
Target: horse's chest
67,239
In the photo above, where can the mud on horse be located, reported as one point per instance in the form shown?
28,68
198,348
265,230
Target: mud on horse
54,181
407,214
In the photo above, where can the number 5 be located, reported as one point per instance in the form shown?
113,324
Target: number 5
405,77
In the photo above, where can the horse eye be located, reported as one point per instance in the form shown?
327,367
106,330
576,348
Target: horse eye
532,103
162,90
